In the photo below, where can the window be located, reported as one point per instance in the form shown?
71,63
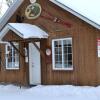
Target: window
62,54
12,56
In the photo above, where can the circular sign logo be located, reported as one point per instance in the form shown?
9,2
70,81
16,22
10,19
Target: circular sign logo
32,1
33,11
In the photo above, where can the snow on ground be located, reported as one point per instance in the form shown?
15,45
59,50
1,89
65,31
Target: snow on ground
62,92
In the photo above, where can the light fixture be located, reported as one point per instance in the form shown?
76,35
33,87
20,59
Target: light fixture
48,52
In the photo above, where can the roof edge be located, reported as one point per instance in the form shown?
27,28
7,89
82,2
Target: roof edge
76,14
6,29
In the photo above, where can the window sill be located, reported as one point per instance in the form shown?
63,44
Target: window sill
63,69
12,68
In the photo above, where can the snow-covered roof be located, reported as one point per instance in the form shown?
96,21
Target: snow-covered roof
6,13
87,10
24,30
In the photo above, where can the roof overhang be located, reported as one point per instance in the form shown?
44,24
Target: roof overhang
76,14
24,31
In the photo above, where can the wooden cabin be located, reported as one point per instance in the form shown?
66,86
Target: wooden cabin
53,47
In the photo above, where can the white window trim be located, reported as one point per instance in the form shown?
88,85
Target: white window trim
53,56
10,12
6,63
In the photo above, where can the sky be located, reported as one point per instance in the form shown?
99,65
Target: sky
3,7
87,8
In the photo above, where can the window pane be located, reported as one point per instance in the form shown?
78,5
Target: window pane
65,50
69,41
69,49
59,43
65,64
69,57
9,64
59,50
70,63
58,61
58,58
65,57
58,64
55,43
64,43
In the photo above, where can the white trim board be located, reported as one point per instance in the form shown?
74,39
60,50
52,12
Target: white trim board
10,12
76,14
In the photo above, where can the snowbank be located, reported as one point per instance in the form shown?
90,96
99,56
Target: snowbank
64,92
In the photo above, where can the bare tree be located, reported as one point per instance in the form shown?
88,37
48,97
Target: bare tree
9,2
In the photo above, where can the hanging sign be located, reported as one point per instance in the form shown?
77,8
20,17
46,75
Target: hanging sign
98,47
33,11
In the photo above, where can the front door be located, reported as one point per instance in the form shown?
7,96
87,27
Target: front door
34,65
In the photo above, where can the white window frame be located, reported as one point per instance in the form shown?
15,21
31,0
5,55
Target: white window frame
53,55
10,12
13,67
